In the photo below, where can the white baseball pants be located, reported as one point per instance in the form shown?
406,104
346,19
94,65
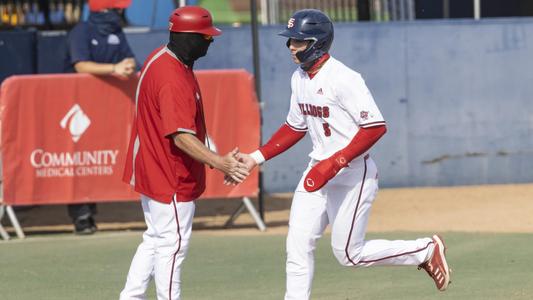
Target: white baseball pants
344,202
162,251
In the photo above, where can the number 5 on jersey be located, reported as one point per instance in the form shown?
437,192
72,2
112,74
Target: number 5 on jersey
327,130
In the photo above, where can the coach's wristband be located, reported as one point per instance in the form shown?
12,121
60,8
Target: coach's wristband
258,157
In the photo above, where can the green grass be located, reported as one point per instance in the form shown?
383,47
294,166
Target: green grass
486,266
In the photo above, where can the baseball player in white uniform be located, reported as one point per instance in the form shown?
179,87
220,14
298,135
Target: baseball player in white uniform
333,104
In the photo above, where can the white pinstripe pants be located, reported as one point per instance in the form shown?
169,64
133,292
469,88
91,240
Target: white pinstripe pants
345,203
162,251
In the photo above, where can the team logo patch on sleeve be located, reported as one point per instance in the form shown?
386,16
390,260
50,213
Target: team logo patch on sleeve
364,115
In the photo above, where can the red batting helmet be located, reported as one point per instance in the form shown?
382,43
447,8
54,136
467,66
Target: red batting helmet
193,19
98,5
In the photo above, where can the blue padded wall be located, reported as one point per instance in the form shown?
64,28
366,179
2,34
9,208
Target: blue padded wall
17,53
456,95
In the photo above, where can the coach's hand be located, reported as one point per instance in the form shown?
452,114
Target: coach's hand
323,171
247,160
235,170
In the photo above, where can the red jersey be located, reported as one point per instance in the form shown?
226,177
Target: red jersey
168,100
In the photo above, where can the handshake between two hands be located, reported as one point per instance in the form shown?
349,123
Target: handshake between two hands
240,165
237,166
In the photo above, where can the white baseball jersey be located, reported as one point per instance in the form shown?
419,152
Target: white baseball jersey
332,107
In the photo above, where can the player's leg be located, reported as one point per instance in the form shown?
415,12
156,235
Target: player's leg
350,223
307,221
142,264
174,227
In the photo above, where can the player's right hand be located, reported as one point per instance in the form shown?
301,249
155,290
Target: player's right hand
232,168
243,158
247,160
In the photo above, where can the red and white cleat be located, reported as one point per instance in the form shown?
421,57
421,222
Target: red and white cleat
436,266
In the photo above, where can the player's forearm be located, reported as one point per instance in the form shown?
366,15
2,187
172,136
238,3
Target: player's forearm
94,68
191,145
283,139
362,142
326,169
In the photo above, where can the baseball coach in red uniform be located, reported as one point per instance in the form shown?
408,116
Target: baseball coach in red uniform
167,153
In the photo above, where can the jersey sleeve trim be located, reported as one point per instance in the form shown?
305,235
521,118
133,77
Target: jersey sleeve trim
258,157
296,128
186,130
372,124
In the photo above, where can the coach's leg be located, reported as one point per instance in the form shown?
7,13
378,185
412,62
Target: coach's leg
142,264
350,224
307,221
174,232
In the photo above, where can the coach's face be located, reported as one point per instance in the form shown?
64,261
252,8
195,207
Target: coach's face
296,46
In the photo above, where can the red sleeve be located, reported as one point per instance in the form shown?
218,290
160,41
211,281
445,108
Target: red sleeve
362,141
280,141
177,109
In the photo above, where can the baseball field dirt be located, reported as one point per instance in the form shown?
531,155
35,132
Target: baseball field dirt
489,208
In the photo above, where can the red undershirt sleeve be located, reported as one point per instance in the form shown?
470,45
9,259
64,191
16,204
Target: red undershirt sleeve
362,141
284,138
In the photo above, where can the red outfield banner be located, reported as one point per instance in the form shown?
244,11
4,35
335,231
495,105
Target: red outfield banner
65,137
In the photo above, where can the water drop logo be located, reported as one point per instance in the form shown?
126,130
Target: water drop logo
76,121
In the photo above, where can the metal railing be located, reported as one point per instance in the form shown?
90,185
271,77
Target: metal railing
279,11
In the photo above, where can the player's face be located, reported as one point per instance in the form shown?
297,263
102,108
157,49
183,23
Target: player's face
296,46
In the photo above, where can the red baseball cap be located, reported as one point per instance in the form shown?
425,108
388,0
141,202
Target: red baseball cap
194,19
98,5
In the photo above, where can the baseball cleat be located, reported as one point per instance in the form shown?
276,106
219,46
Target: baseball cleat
436,266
